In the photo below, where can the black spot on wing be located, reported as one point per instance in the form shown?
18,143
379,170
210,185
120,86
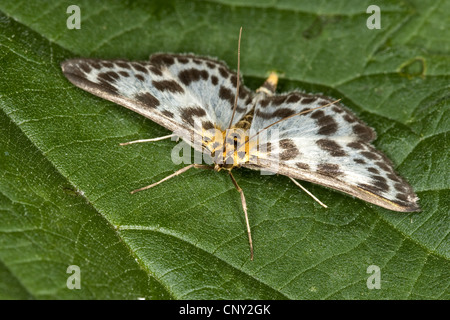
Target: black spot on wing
325,103
226,94
188,114
358,145
317,114
191,75
123,64
106,81
401,187
329,169
156,71
147,99
183,60
95,64
79,68
168,85
332,147
139,67
302,165
402,197
349,118
233,80
309,100
293,98
264,103
370,188
162,60
384,166
167,113
109,76
393,177
327,125
337,109
207,125
279,113
109,88
245,94
364,132
370,155
373,170
278,100
290,150
85,67
380,182
229,95
224,72
378,186
210,65
287,144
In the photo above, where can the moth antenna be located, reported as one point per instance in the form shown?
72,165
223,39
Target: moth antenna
237,81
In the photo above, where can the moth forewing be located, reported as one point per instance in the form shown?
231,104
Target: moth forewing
75,72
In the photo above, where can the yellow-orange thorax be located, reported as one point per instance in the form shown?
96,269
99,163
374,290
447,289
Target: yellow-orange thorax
234,147
231,147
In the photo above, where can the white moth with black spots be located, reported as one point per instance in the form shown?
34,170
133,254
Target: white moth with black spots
307,137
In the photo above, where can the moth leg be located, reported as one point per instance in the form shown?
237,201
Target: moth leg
309,193
270,85
149,140
244,206
176,173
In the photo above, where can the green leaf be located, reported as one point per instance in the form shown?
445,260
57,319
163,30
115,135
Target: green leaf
65,181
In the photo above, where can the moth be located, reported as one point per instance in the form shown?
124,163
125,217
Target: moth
306,136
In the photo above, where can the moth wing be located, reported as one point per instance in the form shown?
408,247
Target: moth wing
176,91
329,146
212,82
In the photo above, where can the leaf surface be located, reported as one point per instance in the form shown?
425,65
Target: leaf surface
65,181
